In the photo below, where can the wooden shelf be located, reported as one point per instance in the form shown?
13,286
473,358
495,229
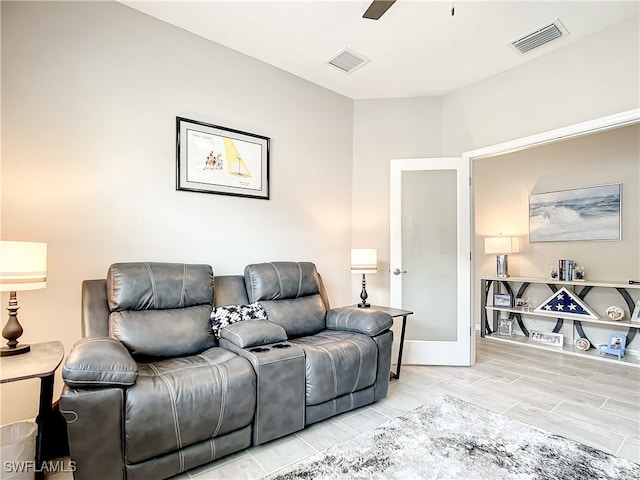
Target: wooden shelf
630,359
553,281
567,316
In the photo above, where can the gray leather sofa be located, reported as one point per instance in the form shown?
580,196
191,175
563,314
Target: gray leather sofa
150,391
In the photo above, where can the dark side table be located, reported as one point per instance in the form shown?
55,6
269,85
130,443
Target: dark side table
41,362
396,312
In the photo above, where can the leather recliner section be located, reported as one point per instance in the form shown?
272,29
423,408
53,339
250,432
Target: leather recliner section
178,402
338,363
343,369
157,397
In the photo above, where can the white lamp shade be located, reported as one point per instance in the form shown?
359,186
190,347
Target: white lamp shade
501,245
364,260
23,266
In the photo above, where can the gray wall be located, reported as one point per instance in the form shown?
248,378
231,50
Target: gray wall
91,91
592,78
382,130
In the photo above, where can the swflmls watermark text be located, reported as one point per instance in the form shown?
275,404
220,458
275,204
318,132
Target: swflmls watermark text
52,466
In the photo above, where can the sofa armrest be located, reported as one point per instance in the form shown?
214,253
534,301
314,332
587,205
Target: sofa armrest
251,333
95,428
361,320
99,362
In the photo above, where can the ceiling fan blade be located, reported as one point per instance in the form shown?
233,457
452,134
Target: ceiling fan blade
377,9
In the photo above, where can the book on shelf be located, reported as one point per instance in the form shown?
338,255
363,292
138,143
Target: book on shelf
565,270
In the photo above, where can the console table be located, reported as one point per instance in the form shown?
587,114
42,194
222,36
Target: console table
615,292
40,362
395,313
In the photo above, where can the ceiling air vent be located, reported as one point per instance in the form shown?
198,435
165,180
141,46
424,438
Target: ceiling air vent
540,36
348,61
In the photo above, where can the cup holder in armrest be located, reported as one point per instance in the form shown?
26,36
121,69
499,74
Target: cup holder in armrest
259,350
281,345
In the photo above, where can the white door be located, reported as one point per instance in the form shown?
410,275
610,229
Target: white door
430,264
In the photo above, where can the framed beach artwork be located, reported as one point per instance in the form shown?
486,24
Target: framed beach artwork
591,213
213,159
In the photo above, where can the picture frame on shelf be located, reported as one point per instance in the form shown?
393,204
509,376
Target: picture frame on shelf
505,327
614,312
215,159
583,344
635,316
615,346
548,338
522,303
504,300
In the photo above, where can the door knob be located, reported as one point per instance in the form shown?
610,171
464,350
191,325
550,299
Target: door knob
397,271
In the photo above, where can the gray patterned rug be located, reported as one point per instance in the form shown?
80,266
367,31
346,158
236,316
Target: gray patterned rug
452,439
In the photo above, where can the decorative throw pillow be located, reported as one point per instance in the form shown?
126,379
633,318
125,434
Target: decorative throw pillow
225,316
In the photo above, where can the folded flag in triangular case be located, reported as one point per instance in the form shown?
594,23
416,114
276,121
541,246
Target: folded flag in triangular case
565,303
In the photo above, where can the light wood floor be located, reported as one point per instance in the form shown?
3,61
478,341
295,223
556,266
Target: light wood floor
593,402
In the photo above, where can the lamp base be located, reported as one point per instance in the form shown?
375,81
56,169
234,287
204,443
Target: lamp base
363,294
502,266
8,351
13,330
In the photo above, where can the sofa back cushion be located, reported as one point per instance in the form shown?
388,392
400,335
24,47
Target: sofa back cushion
158,286
290,294
161,309
229,290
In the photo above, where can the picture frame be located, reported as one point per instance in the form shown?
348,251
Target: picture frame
522,303
504,300
583,344
505,327
635,316
548,338
580,214
616,345
215,159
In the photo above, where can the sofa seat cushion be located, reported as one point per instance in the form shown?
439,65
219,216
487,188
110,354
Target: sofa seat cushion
337,363
181,401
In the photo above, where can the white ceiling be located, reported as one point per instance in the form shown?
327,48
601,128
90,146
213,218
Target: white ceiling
416,49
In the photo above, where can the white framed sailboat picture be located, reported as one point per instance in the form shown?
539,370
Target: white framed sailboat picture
214,159
590,213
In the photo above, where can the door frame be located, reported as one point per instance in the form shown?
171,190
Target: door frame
589,127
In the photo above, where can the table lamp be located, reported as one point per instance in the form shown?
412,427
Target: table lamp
364,260
501,246
23,266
